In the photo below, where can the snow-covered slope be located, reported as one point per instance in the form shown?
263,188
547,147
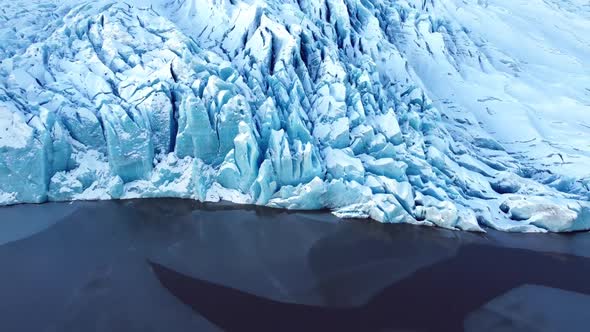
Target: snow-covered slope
456,113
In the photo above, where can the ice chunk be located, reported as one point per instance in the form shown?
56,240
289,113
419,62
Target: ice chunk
196,136
31,151
506,184
402,191
388,209
341,165
235,111
294,164
84,126
306,196
340,193
265,185
393,169
544,213
240,167
335,134
160,111
388,125
129,143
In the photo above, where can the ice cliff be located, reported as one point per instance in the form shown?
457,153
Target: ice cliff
425,112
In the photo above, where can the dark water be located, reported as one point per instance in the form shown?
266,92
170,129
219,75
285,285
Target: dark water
174,265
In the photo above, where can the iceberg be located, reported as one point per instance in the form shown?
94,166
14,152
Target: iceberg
401,111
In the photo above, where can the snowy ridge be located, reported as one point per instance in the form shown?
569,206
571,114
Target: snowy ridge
362,107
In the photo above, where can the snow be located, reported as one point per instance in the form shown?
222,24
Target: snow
14,133
8,198
459,114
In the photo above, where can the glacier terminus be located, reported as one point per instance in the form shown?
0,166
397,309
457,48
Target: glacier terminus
462,114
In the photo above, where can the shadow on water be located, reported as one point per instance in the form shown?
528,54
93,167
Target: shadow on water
437,297
180,265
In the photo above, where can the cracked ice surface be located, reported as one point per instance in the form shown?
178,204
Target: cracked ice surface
408,111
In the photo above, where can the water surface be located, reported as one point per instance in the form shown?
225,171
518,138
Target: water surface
178,265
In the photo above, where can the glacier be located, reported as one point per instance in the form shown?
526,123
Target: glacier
462,114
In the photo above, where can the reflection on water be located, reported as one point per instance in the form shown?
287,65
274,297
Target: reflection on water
525,309
226,267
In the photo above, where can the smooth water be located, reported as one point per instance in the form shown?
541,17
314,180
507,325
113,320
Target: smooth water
178,265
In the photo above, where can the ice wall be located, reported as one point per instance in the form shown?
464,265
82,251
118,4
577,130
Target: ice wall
290,104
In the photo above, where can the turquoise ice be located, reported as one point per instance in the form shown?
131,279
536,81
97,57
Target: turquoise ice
401,111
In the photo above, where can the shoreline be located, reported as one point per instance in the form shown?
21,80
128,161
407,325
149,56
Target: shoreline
229,205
